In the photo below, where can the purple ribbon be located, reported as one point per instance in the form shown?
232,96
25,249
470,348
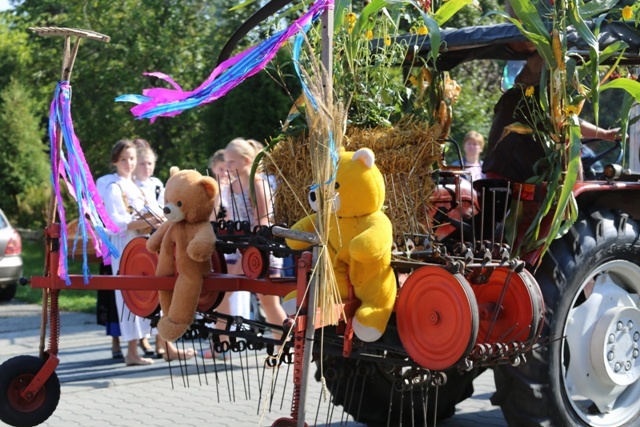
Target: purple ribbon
157,102
69,165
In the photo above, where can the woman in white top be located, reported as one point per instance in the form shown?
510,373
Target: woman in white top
151,186
122,199
234,303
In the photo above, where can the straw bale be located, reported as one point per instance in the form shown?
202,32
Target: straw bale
405,154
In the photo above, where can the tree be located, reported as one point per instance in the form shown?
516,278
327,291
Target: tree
24,169
181,38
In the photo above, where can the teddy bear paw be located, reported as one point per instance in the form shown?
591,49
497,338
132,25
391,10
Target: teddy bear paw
289,303
170,330
365,333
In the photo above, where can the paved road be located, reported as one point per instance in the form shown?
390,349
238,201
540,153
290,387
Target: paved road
97,391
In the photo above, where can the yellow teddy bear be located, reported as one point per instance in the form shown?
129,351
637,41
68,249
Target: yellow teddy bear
360,240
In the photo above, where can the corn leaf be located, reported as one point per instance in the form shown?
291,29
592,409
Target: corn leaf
632,87
434,36
527,13
566,193
448,9
341,6
596,7
594,53
242,5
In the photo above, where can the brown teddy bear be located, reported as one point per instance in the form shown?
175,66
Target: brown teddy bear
189,199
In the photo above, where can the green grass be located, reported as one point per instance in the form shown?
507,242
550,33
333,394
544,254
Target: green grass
33,258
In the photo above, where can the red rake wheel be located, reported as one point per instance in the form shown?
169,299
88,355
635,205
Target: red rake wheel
255,263
209,300
519,314
538,300
138,261
437,317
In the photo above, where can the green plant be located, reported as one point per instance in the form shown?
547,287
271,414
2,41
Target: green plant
563,91
33,259
368,51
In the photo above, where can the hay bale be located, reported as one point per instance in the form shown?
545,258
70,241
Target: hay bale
405,154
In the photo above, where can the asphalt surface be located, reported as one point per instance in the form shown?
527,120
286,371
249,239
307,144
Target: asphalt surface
98,391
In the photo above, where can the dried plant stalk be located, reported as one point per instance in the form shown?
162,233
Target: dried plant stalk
324,140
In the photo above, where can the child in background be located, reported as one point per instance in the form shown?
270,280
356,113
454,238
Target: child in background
151,186
234,303
239,156
472,144
219,170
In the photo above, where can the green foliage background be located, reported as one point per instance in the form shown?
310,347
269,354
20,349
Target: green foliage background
181,38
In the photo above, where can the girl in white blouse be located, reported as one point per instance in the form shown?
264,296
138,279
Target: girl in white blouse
123,199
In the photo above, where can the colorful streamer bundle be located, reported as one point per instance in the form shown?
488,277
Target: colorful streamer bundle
156,102
333,152
74,171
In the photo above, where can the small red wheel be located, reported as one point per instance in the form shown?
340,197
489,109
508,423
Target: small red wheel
518,317
437,317
138,261
209,300
255,263
15,375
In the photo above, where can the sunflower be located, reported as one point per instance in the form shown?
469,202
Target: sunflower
571,110
627,12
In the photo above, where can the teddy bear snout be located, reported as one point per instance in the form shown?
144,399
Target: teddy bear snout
173,212
313,200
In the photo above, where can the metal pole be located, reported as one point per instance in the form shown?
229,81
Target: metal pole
327,83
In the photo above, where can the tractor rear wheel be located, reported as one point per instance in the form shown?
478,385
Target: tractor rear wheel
586,369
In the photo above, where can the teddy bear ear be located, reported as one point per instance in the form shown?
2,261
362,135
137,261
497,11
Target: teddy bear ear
366,156
174,170
210,186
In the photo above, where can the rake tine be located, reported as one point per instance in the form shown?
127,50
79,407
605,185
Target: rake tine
331,406
245,379
435,411
504,214
286,382
226,374
261,380
424,391
273,385
401,407
390,406
315,420
360,399
215,370
204,365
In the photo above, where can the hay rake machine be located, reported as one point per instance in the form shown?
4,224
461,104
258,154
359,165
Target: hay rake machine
455,315
463,305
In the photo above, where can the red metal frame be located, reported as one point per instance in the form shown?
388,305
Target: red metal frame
51,284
